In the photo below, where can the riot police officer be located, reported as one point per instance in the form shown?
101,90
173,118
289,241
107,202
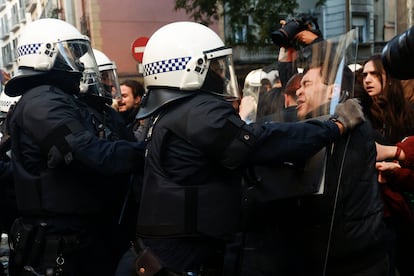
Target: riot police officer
198,146
7,196
60,164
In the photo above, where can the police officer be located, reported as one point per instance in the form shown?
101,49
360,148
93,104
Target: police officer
110,125
117,127
198,146
8,209
60,163
109,74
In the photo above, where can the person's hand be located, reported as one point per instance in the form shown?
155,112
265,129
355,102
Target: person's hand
349,114
114,105
247,107
306,37
385,168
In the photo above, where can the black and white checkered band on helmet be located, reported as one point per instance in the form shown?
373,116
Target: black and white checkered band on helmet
164,66
28,49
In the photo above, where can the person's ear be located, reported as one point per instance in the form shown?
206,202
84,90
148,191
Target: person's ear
330,91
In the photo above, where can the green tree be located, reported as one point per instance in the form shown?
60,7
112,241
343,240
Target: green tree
255,18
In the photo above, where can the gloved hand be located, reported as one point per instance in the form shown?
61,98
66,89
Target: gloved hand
349,114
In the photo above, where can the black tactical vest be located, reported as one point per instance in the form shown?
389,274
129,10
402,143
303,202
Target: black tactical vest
171,209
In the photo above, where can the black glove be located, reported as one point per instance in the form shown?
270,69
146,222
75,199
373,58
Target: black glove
349,114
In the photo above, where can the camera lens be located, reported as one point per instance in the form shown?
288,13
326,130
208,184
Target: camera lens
280,38
285,35
399,52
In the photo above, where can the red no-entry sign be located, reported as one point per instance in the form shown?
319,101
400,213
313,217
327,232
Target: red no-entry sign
138,47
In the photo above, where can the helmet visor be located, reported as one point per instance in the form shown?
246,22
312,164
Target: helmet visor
69,54
79,55
110,83
221,77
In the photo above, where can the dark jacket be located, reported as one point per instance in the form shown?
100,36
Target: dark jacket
198,149
71,171
54,141
351,204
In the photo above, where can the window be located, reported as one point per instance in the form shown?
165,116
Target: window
6,52
240,32
360,24
14,50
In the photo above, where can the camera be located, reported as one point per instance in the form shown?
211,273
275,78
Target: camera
398,54
284,37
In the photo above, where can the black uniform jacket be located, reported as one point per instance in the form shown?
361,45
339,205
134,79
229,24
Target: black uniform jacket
195,157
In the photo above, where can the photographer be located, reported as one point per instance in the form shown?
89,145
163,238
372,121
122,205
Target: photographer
397,53
290,42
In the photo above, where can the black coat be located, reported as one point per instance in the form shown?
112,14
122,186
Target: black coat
199,148
297,231
54,140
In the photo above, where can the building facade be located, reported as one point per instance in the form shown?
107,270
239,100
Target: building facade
113,25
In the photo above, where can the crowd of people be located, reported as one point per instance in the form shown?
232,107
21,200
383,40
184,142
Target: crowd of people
186,174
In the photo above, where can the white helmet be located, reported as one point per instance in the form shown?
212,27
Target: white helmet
109,75
6,102
251,89
252,82
51,44
179,56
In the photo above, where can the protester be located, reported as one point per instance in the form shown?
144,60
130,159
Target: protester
336,229
392,117
128,105
351,199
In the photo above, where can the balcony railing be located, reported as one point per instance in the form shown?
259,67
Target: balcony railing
15,24
269,55
22,15
30,5
263,55
7,57
2,4
4,29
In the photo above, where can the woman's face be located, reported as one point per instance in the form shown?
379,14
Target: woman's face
372,79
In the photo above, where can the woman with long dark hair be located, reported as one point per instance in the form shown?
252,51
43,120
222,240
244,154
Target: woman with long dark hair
392,116
388,110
